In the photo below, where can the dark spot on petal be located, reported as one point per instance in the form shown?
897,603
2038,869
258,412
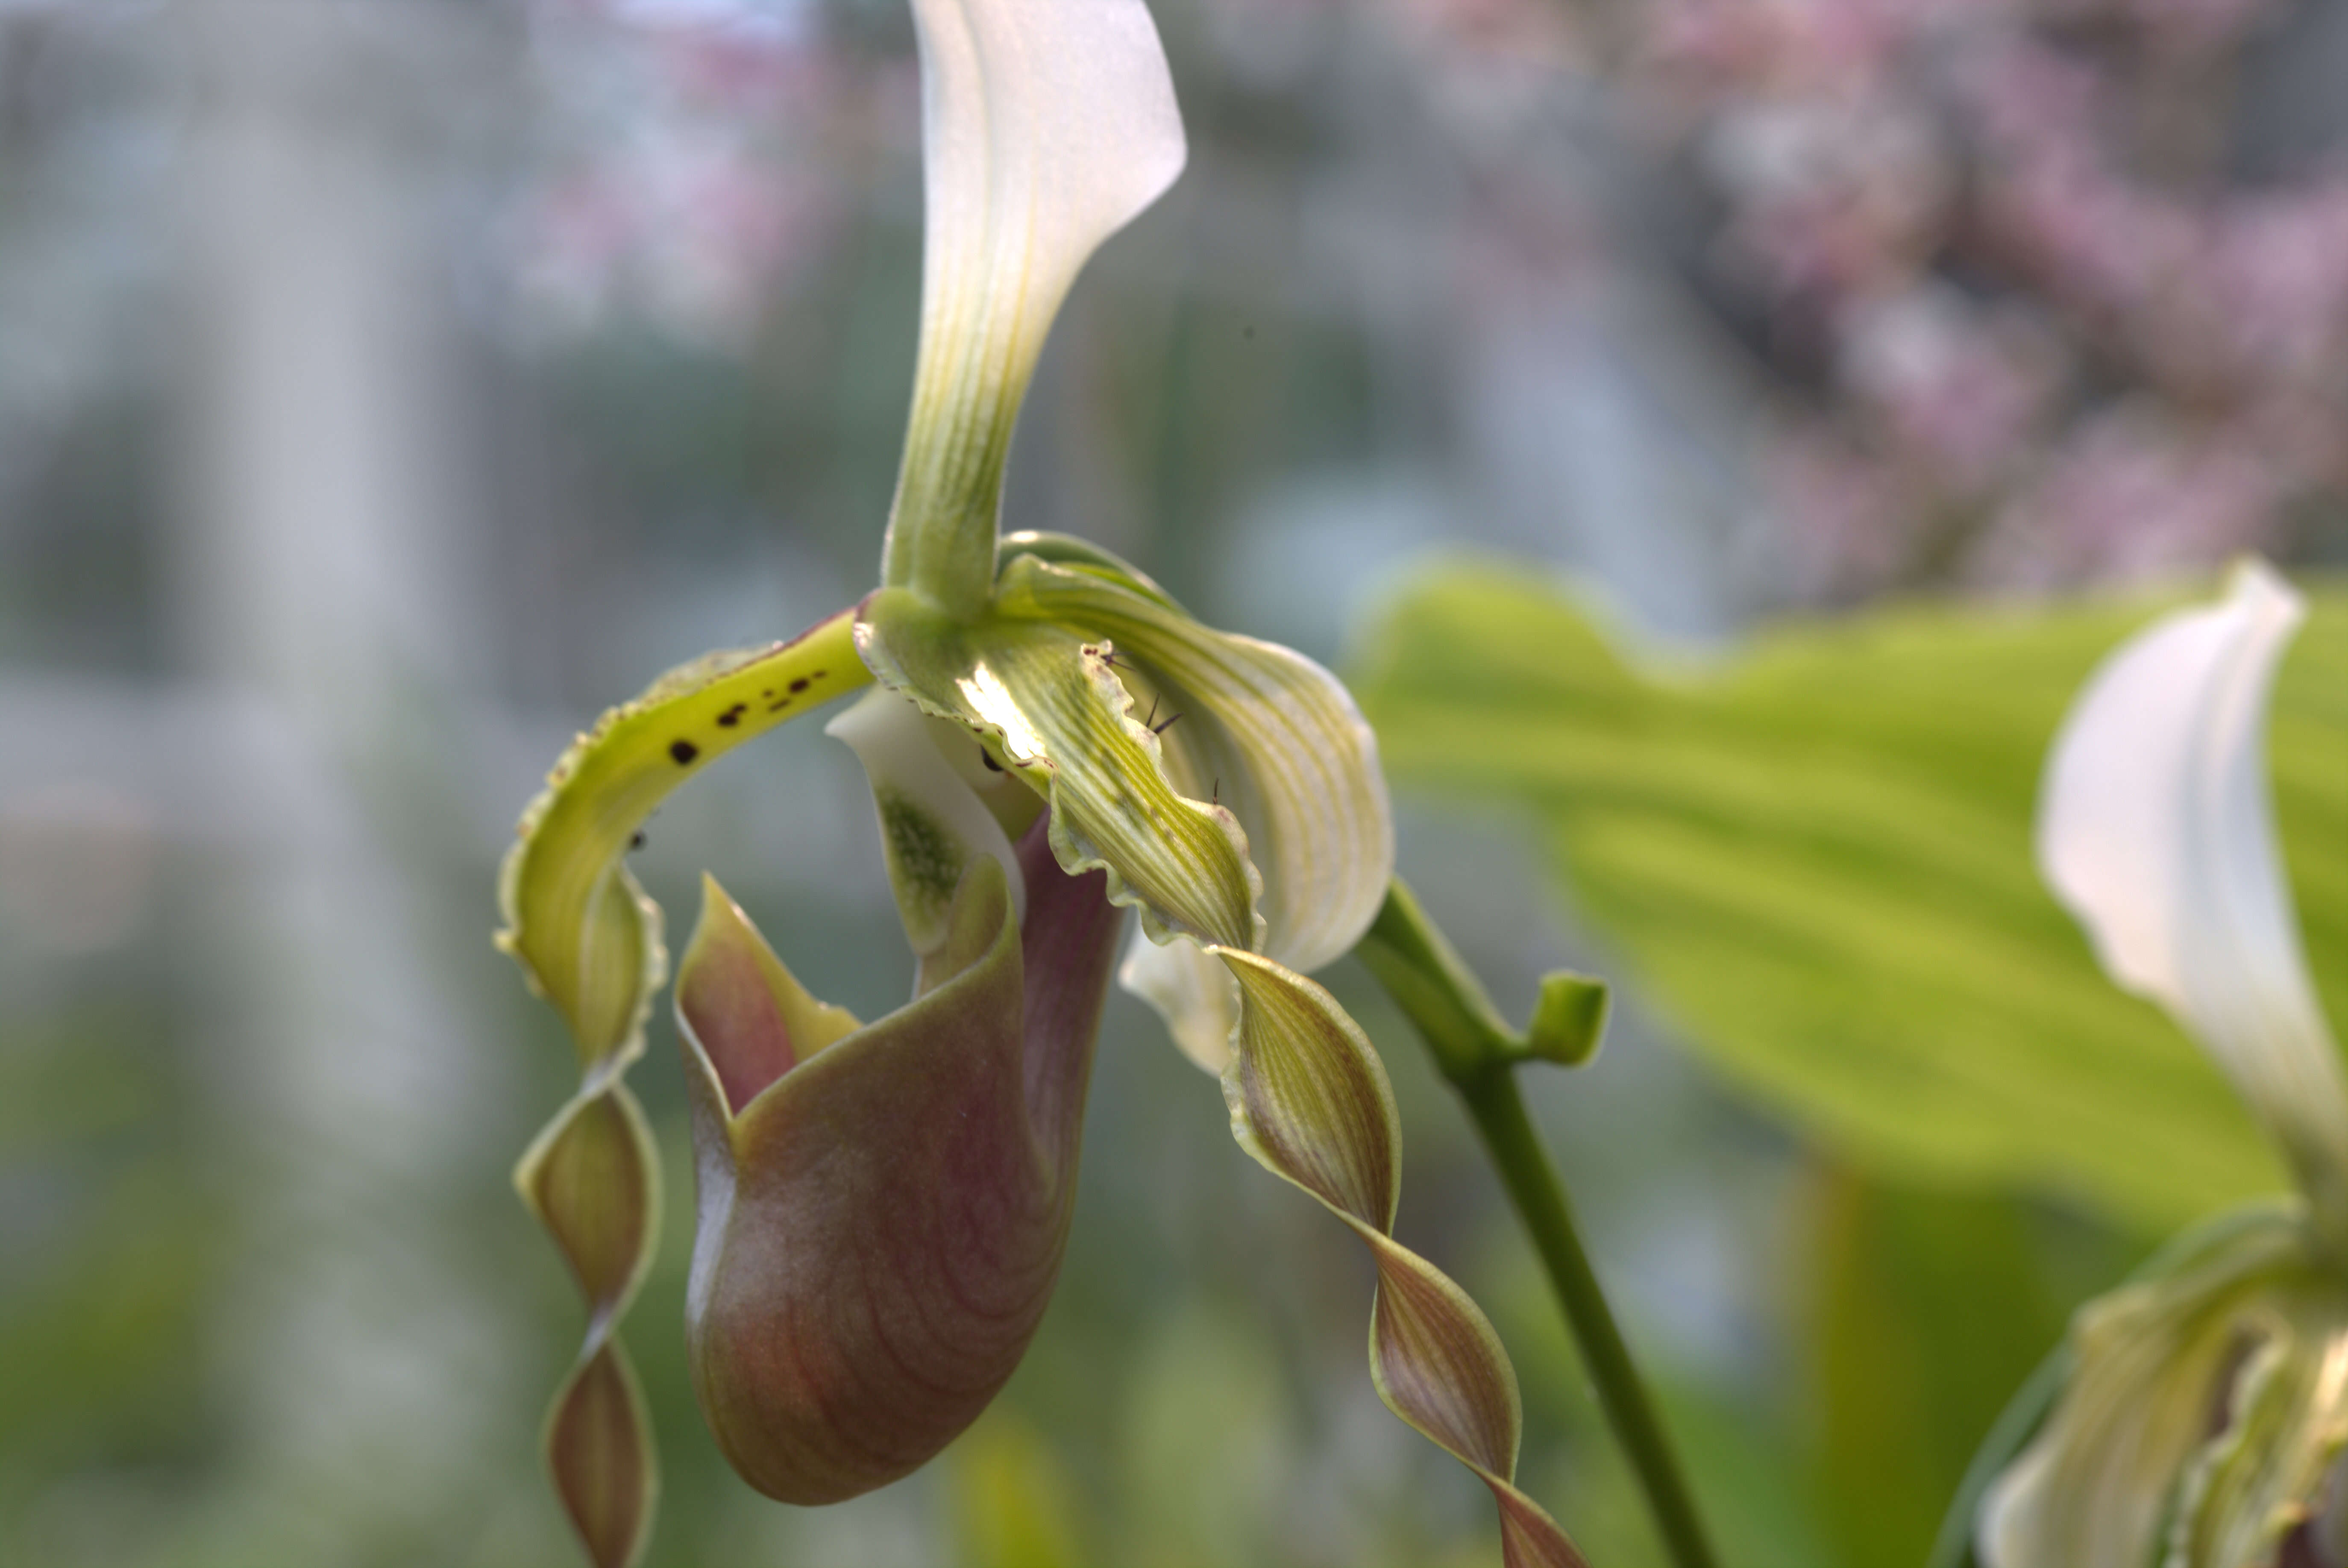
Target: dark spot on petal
821,673
683,752
992,765
732,715
800,685
779,706
636,839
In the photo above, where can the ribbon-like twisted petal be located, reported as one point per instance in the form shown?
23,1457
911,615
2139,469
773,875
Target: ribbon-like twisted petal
1309,1099
588,941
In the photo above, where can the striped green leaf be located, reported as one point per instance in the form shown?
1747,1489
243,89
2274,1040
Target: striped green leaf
1814,859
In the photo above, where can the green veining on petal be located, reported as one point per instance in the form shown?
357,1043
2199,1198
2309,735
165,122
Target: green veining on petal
1310,1100
1054,707
1258,728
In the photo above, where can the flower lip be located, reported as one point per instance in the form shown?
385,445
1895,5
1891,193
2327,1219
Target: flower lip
879,1229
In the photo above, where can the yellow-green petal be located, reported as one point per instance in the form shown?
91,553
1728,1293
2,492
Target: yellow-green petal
1054,706
1261,728
585,935
588,941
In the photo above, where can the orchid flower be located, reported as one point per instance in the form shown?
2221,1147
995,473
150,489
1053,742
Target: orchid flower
882,1209
2206,1403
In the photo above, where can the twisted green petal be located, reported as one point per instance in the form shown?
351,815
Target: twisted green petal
588,941
1309,1099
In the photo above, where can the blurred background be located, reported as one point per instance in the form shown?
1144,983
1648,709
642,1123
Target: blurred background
388,386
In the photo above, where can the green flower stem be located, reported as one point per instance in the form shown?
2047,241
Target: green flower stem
1499,1110
1478,1053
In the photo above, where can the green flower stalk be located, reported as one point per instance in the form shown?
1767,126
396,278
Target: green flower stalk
882,1209
2206,1406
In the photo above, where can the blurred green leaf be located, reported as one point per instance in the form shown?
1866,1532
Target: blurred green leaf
1014,1505
110,1245
1926,1311
1815,861
1206,1448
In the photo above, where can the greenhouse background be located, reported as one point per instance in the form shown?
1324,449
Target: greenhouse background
1715,437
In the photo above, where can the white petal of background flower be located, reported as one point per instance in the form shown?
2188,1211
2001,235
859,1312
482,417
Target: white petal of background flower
2155,830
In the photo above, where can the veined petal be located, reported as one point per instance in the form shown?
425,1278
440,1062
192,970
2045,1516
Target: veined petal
2154,829
879,1229
592,1179
598,1443
1047,126
1262,729
2203,1406
1255,728
1310,1100
1055,707
586,937
932,823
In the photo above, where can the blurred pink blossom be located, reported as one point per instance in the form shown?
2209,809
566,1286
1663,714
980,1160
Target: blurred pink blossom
2030,321
690,173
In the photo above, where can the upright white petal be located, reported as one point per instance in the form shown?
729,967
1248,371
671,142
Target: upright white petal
2154,830
1047,126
